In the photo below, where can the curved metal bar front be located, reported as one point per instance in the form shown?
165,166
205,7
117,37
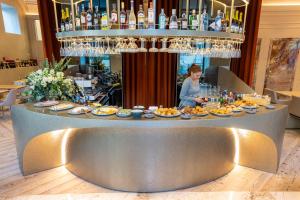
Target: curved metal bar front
147,155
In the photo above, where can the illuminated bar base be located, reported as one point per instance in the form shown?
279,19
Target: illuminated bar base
148,155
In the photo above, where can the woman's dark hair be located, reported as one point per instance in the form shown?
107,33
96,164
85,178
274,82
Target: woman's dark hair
194,68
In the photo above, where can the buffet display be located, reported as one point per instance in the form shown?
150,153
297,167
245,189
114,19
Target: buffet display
222,108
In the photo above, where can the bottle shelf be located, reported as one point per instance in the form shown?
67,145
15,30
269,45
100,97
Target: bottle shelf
150,33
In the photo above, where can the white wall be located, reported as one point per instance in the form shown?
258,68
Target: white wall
14,46
276,22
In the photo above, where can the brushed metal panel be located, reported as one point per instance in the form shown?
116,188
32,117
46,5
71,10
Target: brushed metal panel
151,160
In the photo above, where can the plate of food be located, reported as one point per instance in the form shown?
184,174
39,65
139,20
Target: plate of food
105,111
95,105
197,111
167,112
61,107
222,112
248,104
124,113
80,110
46,104
237,109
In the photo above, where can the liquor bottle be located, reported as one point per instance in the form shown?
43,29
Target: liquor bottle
241,23
204,21
77,20
151,24
184,21
193,20
67,18
162,19
104,21
236,22
83,18
89,18
173,20
71,22
227,23
122,17
96,18
218,21
114,17
132,18
127,18
141,18
62,23
224,23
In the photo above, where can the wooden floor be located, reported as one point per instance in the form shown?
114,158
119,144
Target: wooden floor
60,181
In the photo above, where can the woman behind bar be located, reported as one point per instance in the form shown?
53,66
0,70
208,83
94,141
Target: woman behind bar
190,91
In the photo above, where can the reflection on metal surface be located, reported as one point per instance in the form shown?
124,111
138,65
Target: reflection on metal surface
64,144
236,145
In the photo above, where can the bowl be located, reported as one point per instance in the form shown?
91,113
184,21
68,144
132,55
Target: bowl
138,107
137,114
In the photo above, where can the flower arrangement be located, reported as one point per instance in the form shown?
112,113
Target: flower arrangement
50,83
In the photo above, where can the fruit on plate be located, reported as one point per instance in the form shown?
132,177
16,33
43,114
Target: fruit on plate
62,106
194,111
167,112
222,111
105,111
245,103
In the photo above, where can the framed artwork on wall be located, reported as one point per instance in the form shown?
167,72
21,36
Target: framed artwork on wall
280,71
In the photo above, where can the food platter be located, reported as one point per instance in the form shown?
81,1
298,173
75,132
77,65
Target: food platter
105,111
80,110
237,110
124,113
61,107
197,111
221,112
167,112
46,104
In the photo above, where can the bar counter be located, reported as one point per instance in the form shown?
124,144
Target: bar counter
147,155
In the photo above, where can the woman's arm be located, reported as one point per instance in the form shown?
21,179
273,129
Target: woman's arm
184,91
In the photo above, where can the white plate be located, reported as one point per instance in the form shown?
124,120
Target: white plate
249,107
168,116
46,104
61,107
80,110
201,115
104,109
222,115
237,110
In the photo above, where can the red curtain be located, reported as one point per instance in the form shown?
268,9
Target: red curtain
47,20
244,66
150,78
